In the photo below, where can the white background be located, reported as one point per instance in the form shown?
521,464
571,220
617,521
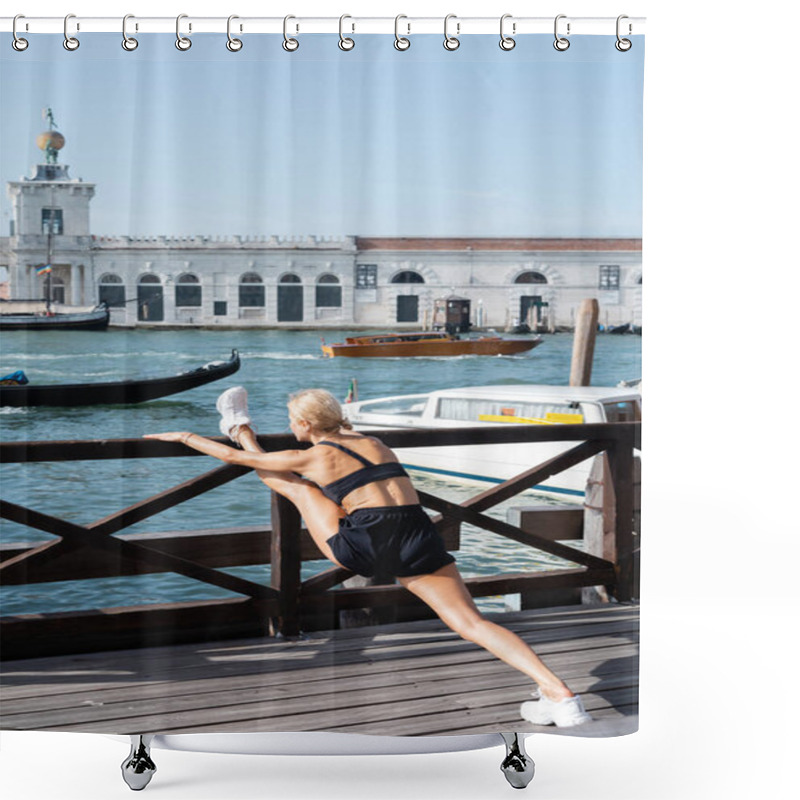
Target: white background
720,607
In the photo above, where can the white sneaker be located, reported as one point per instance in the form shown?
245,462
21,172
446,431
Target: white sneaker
564,714
232,405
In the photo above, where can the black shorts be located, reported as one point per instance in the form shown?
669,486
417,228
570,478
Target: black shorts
389,541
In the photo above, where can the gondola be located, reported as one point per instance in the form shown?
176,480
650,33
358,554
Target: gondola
125,392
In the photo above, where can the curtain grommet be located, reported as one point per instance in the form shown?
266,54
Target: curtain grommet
401,43
561,43
18,43
345,42
233,44
128,42
451,43
183,43
71,43
289,44
507,42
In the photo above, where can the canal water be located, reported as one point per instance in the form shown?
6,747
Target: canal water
274,364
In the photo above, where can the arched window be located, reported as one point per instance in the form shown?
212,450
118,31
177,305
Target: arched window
329,292
188,291
111,290
530,277
251,291
408,276
57,290
149,299
290,298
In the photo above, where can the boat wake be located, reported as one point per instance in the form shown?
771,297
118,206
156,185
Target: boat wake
282,356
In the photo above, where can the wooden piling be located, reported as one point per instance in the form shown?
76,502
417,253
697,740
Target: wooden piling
583,343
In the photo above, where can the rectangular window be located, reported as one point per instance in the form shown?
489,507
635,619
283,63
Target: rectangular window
328,296
622,411
188,294
113,295
251,295
54,216
609,276
407,308
366,276
220,308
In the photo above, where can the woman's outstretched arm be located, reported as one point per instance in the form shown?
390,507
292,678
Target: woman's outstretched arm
280,461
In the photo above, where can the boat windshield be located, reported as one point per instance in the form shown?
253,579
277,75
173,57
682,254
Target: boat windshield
410,405
622,411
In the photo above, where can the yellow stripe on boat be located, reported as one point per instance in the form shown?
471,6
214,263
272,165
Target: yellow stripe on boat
564,419
551,418
513,420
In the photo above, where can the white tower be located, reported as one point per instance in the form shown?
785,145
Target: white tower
51,226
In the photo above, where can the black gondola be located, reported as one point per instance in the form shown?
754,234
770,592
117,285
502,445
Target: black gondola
125,392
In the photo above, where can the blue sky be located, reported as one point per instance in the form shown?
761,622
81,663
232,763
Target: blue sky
479,141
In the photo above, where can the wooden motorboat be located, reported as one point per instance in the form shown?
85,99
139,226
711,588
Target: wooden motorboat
426,343
124,392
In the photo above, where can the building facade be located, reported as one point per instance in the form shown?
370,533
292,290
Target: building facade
305,282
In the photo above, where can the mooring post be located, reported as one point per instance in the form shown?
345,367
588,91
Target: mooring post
621,468
286,565
583,344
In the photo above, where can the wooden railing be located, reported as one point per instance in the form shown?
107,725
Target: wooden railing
289,604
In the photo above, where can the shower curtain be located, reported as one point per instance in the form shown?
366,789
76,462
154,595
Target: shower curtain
229,207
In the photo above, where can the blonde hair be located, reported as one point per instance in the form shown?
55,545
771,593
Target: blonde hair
320,409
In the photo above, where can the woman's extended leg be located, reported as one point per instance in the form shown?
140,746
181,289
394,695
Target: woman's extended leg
444,591
320,514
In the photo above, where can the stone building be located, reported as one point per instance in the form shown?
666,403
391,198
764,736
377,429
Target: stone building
269,281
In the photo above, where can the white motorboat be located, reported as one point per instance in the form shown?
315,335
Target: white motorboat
477,406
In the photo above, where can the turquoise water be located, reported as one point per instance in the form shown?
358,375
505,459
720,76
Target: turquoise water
274,363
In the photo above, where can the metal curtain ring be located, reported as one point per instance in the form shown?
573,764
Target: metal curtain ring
623,45
70,42
451,42
233,44
400,42
561,43
18,43
289,44
507,42
345,43
128,42
181,42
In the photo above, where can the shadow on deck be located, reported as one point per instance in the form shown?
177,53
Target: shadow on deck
410,679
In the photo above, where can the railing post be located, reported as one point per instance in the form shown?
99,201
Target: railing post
286,563
620,458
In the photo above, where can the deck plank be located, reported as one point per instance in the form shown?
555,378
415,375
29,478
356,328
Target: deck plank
267,655
402,679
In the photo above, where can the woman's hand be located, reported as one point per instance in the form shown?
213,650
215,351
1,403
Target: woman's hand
171,436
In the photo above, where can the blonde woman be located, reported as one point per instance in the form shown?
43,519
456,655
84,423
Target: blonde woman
361,509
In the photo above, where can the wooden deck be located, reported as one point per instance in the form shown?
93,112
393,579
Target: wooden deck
407,679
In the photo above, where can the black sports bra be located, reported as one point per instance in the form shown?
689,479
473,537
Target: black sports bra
370,473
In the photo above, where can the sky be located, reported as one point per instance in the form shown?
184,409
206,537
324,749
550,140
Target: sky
476,142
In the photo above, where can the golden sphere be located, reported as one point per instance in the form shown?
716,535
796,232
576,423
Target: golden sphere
52,139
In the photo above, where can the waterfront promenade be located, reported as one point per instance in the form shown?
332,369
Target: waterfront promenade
414,678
